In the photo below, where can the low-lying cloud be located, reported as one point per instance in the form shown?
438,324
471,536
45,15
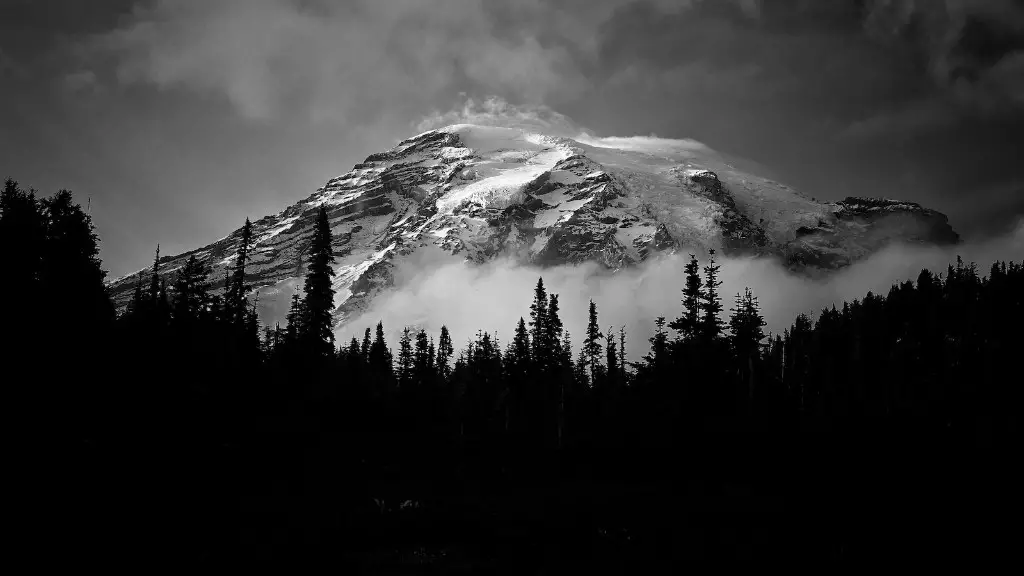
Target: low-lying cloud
432,291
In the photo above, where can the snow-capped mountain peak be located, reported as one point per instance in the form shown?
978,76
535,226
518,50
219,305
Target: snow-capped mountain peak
480,191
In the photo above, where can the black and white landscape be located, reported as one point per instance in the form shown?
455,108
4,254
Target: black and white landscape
524,287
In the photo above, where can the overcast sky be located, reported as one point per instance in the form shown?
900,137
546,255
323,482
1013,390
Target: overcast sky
179,118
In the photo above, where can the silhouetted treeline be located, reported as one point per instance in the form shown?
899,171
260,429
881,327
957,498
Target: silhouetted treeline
179,432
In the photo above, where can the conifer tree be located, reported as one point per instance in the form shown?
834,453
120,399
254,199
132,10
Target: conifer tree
592,345
294,321
364,348
22,225
658,356
711,305
746,325
318,290
444,354
380,355
538,320
622,351
552,333
612,360
154,280
693,294
519,355
235,301
190,290
405,359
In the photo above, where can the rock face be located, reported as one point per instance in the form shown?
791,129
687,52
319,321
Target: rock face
478,192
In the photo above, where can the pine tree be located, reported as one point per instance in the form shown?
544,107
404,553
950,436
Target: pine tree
235,301
294,321
422,361
693,294
552,333
380,355
364,348
520,346
746,325
22,225
612,360
538,320
592,345
622,351
404,365
318,300
190,291
154,280
711,306
444,354
658,356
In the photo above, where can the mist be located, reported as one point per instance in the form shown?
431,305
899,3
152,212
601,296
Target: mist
434,289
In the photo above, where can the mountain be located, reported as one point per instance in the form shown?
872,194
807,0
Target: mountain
479,191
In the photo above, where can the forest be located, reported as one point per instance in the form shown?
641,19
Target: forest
179,432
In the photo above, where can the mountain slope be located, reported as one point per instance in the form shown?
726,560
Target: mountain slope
477,192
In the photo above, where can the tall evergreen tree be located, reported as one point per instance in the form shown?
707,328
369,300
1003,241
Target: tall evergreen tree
592,345
552,334
364,348
404,365
538,321
154,279
444,354
711,324
318,290
612,360
746,325
693,296
622,352
294,321
380,354
235,300
190,290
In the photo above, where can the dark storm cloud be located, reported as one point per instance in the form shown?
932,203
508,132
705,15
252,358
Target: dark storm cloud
917,100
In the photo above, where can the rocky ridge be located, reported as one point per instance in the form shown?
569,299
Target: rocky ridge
478,192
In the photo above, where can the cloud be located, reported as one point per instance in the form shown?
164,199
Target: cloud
496,111
914,119
648,144
81,82
335,61
492,297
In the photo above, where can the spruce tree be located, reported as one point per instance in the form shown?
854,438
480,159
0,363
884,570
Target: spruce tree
612,359
592,345
520,346
746,325
404,365
693,294
622,352
538,321
154,280
380,354
190,291
422,361
711,305
364,348
235,301
318,290
294,321
658,356
444,354
552,333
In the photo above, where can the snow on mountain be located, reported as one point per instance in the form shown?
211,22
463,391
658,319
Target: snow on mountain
479,191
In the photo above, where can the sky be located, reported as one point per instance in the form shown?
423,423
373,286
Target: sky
174,120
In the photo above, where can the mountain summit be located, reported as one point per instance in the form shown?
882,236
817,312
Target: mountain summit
482,191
